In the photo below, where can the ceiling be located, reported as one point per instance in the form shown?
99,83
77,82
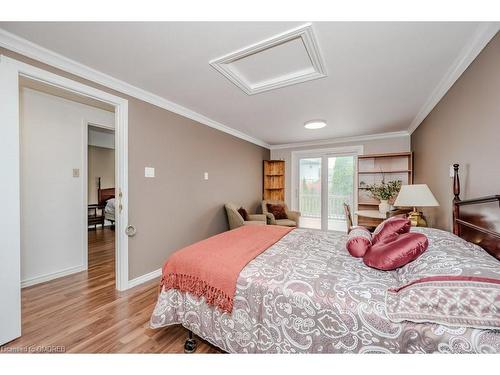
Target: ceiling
379,76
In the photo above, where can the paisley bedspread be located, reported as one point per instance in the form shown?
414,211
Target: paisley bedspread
306,294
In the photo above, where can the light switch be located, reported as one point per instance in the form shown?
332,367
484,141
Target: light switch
76,172
149,172
205,175
452,171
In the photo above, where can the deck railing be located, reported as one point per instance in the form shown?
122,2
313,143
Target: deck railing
310,205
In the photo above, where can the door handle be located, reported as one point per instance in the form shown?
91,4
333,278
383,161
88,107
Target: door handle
130,230
120,206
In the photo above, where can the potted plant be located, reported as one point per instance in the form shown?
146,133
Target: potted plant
384,192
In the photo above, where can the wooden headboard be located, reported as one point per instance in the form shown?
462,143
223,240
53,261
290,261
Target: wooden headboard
477,220
104,194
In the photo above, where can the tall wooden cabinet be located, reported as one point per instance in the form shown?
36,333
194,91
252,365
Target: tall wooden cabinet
274,180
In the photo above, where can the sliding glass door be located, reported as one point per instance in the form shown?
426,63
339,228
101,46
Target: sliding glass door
325,183
340,190
310,192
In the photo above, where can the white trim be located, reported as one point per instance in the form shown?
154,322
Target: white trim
484,33
343,150
18,68
51,276
29,49
359,138
10,224
145,278
85,188
121,189
304,32
102,126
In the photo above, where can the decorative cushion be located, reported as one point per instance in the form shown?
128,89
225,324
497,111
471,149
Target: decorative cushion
387,229
455,283
358,241
455,301
243,213
278,210
391,255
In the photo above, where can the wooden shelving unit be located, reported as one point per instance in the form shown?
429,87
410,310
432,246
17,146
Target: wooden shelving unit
274,180
375,168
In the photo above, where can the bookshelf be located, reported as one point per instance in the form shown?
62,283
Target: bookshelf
274,180
375,168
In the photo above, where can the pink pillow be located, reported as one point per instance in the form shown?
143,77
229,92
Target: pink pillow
358,242
387,229
391,255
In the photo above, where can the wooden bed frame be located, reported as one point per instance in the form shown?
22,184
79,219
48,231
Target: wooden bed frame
104,194
477,220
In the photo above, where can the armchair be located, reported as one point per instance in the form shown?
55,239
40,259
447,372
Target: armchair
293,216
236,220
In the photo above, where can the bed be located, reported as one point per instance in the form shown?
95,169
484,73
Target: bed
106,199
307,294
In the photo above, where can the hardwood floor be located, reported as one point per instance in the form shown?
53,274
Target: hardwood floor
84,313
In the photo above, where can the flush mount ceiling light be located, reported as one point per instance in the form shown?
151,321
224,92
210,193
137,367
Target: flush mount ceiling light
315,124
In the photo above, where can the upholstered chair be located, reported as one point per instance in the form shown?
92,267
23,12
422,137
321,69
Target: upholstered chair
236,220
291,221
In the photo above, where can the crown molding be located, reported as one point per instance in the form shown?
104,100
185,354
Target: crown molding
304,32
484,33
359,138
29,49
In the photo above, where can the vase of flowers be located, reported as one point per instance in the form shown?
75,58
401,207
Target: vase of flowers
385,192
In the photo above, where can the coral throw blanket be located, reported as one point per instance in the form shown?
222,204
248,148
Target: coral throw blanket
210,268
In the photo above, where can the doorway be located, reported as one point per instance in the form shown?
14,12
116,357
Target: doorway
323,181
11,73
101,199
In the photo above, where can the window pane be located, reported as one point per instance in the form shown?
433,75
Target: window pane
310,192
340,190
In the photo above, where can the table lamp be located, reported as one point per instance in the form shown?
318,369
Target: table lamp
418,195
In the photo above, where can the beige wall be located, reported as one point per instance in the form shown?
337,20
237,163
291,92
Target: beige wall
399,144
178,207
101,163
463,128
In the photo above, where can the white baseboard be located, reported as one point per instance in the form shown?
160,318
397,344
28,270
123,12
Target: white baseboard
144,278
68,271
51,276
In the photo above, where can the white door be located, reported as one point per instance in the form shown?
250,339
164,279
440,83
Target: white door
10,295
325,183
340,190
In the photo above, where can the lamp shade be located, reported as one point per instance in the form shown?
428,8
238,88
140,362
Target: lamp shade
418,195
